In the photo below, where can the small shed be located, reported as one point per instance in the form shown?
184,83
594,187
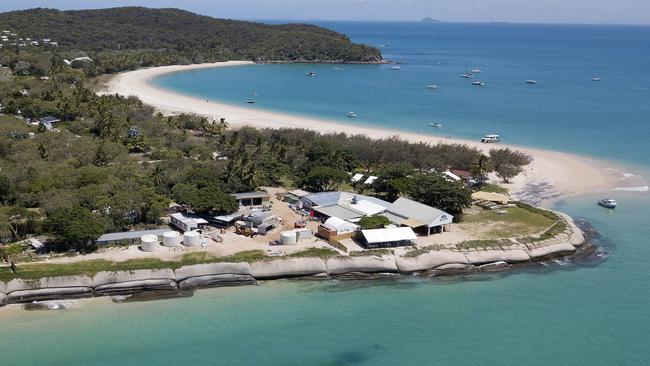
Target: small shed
388,237
253,199
187,222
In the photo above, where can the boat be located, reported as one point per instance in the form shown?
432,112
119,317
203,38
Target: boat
250,101
595,78
435,124
467,75
311,74
432,86
395,67
478,83
607,203
351,115
531,82
476,70
490,138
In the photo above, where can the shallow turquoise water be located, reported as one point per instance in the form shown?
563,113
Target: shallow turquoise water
570,315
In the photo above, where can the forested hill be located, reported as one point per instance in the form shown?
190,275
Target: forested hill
177,36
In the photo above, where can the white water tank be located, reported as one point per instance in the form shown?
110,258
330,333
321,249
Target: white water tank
192,239
171,239
288,238
149,243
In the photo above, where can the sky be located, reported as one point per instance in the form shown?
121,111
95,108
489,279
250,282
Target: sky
522,11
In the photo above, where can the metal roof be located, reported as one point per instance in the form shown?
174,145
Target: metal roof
409,209
249,195
338,197
299,193
338,211
130,235
388,235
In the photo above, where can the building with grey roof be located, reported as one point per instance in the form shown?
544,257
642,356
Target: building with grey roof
406,212
128,237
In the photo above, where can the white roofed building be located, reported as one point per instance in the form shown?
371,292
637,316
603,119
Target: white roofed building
388,237
406,212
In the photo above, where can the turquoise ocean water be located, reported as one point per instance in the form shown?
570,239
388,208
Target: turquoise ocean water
565,315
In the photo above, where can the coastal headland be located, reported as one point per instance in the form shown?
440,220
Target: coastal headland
550,177
571,244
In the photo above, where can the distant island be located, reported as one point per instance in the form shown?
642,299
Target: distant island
430,20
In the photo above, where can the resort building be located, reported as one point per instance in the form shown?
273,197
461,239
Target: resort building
186,222
128,237
335,226
388,237
253,199
338,198
426,219
295,197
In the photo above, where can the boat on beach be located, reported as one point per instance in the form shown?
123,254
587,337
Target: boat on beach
608,203
351,115
490,138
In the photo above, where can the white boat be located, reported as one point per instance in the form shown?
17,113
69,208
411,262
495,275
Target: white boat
432,86
608,203
476,70
351,115
531,82
490,138
435,124
396,67
311,74
595,78
478,83
467,75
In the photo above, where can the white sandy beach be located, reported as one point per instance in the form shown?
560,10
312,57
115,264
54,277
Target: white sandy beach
551,176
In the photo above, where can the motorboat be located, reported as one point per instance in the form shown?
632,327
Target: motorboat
311,74
533,82
435,124
478,83
595,78
250,101
432,86
395,67
351,115
467,75
607,203
476,70
490,138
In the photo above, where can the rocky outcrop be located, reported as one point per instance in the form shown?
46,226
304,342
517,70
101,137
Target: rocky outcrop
576,237
429,261
3,294
210,269
218,280
553,250
124,283
49,288
292,267
490,256
341,265
214,275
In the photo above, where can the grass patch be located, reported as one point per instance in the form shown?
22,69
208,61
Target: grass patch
91,267
484,244
517,222
369,252
418,251
493,188
339,246
315,252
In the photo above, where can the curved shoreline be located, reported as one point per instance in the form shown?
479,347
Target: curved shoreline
551,176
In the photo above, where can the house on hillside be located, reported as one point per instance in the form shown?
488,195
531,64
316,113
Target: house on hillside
418,216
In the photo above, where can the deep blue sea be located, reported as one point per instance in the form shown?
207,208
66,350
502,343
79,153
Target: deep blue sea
565,315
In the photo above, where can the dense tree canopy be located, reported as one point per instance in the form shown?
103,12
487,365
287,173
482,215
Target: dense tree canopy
127,38
76,227
434,190
508,163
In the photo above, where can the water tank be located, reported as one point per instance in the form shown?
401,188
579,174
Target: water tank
149,243
171,239
288,238
192,239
